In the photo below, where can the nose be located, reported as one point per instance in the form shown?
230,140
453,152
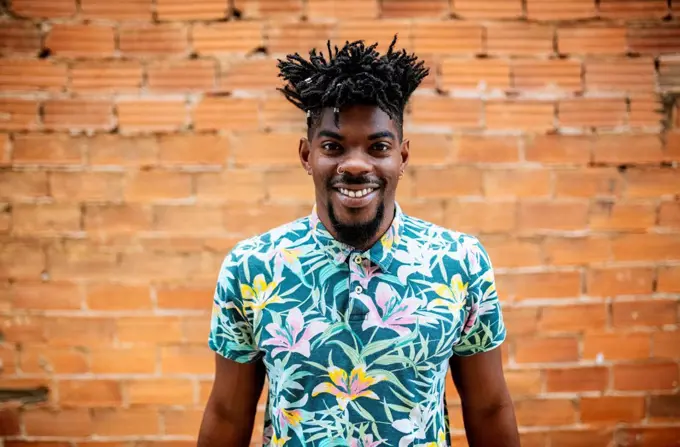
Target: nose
355,165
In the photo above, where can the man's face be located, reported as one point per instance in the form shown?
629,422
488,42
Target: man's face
358,202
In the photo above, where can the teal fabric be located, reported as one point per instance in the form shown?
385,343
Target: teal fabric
356,344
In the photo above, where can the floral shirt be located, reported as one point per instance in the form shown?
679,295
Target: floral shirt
356,344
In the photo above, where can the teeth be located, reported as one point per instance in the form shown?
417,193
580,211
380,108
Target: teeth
361,193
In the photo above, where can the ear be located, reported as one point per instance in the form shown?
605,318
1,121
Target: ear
304,151
405,153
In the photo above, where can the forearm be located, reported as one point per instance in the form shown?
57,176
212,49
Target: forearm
218,429
491,427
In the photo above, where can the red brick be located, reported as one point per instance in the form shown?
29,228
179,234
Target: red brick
46,296
542,412
19,38
152,116
187,360
182,422
510,252
81,259
633,9
19,259
161,392
271,149
61,422
44,9
429,149
192,75
615,346
645,376
106,77
121,151
669,72
256,74
188,219
668,279
185,297
41,359
80,331
620,74
646,247
628,314
78,114
22,185
344,10
448,37
154,40
620,281
137,360
148,330
279,113
592,112
230,37
517,183
10,423
193,149
481,217
269,8
408,9
9,358
645,111
628,149
45,218
519,39
24,329
18,114
648,436
89,393
232,185
655,40
621,216
202,10
299,37
573,318
293,185
591,40
157,185
663,407
74,40
558,150
547,75
250,221
520,320
451,113
476,74
593,182
86,186
665,344
652,182
118,297
115,219
546,285
446,183
226,114
543,350
32,75
194,329
569,380
523,383
49,149
527,115
553,215
560,10
121,10
485,149
376,31
125,422
492,9
612,409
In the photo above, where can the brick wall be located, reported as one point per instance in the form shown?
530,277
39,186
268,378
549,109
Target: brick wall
139,139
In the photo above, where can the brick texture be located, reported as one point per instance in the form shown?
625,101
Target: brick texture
141,139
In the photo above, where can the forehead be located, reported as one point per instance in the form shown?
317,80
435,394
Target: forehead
359,120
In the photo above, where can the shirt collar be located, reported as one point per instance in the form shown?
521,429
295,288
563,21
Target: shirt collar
381,253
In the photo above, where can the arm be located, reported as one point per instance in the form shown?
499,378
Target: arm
488,413
230,412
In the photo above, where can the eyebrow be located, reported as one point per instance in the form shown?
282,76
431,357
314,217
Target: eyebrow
382,134
374,136
331,134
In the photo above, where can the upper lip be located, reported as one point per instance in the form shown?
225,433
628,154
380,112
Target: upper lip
356,187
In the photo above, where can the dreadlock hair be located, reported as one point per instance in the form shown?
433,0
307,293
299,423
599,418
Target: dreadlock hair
356,74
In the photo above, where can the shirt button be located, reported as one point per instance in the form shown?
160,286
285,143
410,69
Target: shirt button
358,289
358,259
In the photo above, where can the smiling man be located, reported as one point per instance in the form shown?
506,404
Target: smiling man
356,313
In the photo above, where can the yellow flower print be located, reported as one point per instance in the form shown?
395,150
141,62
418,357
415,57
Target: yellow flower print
293,417
452,296
260,294
347,390
279,442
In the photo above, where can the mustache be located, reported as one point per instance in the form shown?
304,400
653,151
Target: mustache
349,179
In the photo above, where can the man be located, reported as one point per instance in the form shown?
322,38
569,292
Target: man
356,312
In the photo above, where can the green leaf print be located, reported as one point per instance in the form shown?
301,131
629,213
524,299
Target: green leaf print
392,379
361,411
388,413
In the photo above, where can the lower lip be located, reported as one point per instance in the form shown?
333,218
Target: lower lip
356,202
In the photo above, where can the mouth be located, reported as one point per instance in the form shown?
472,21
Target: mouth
356,193
356,196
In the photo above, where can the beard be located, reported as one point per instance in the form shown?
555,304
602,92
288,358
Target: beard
359,233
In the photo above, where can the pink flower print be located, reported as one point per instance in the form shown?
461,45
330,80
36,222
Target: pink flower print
393,312
348,389
472,318
365,273
294,336
367,441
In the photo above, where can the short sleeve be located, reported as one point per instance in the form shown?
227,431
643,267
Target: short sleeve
231,333
484,327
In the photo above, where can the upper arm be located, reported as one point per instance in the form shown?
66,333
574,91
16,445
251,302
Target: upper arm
479,380
236,390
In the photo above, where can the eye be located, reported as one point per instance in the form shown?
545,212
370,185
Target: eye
331,146
381,147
